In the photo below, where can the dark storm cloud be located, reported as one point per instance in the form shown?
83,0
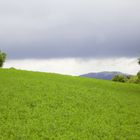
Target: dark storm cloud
76,28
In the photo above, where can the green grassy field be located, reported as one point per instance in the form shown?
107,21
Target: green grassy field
42,106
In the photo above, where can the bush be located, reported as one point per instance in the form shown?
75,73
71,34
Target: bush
134,79
119,78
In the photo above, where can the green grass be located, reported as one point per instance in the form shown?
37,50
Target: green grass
43,106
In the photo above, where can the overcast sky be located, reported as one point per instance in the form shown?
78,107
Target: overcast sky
83,29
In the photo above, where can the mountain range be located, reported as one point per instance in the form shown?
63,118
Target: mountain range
106,75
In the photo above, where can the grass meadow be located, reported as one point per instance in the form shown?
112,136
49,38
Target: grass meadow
44,106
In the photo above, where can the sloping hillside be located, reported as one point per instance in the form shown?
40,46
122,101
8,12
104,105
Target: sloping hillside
42,106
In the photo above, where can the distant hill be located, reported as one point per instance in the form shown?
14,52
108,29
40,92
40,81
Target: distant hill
103,75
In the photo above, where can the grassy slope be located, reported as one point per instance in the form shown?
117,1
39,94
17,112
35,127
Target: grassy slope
41,106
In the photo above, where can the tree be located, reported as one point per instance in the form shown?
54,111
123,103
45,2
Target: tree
139,61
2,58
138,74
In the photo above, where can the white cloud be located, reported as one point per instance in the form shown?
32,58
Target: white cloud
73,66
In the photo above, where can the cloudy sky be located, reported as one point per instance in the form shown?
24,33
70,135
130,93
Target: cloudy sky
71,36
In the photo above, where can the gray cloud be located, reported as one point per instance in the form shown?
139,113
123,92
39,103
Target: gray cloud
76,28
